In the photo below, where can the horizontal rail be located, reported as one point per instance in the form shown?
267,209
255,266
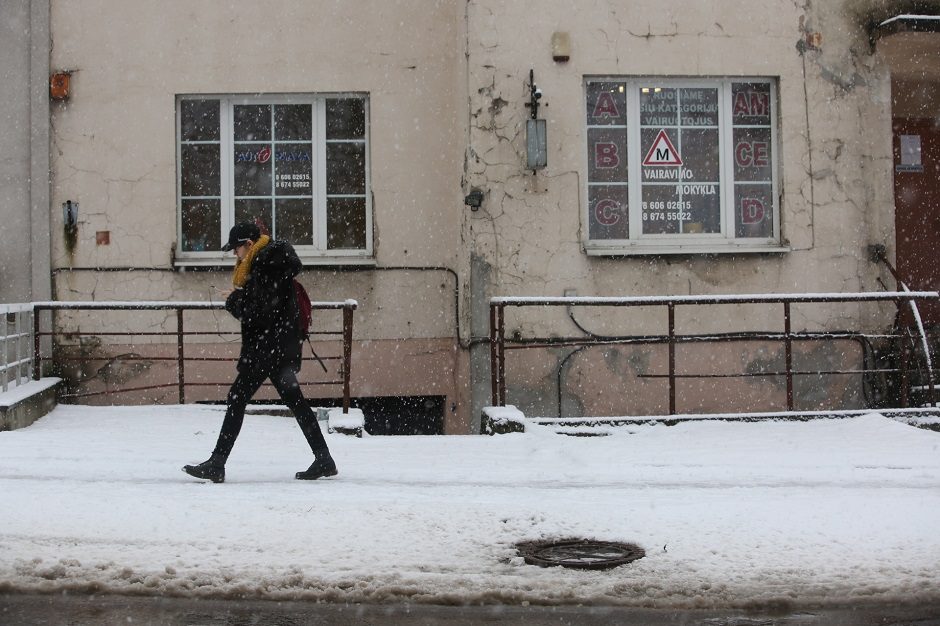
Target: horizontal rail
347,307
153,305
724,299
500,343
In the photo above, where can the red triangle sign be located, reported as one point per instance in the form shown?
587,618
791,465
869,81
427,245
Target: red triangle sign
662,152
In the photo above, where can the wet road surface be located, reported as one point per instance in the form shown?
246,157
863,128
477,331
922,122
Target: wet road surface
81,610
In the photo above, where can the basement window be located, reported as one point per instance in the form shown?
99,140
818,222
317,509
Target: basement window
681,166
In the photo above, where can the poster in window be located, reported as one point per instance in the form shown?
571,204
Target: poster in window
608,208
750,104
753,205
606,104
658,106
752,158
607,155
253,165
293,169
680,194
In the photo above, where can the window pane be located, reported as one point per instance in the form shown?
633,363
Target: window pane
252,122
658,106
753,211
699,152
655,199
607,154
345,118
680,199
199,120
199,175
253,210
345,168
608,212
750,104
253,170
294,220
293,173
752,160
346,223
202,225
293,122
606,104
698,106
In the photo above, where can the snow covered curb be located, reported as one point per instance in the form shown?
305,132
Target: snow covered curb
499,420
352,423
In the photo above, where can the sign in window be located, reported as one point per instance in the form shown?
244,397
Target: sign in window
673,163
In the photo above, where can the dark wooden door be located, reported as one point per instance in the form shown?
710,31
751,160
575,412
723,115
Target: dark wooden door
917,207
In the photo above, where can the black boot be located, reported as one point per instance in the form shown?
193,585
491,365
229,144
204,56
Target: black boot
213,469
321,468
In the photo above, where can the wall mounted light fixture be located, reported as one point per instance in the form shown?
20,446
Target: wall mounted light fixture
70,215
536,134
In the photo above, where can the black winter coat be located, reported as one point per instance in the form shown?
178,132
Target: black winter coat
267,308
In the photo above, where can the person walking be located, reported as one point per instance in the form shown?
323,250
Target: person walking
265,303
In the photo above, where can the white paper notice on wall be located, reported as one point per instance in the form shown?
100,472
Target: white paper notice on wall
910,155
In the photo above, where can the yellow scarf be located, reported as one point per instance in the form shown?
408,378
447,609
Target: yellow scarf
243,266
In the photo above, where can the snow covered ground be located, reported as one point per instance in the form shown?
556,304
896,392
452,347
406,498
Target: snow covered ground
730,514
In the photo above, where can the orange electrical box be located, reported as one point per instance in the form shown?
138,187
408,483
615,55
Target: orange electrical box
59,85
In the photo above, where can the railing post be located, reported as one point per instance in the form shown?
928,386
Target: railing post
494,376
672,358
347,353
905,357
180,367
37,356
501,353
788,353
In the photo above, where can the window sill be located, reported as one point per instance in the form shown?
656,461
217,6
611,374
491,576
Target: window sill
228,261
648,249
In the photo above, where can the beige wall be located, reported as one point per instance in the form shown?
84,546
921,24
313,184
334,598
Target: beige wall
114,148
447,82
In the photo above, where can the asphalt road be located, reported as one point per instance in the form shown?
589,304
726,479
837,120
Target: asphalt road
81,610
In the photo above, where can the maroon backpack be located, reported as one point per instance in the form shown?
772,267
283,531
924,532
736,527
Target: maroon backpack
305,308
305,318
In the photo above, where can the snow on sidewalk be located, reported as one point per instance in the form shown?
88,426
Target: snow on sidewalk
730,514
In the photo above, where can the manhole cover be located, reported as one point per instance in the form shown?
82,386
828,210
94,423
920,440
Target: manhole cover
579,553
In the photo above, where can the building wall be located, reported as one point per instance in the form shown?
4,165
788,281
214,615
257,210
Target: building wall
115,153
834,166
24,164
448,83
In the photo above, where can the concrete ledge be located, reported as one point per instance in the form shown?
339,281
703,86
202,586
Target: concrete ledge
26,403
502,420
352,423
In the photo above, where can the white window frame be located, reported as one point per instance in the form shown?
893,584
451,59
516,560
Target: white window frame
724,242
317,254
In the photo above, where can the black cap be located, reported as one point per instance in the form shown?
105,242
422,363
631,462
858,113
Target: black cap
241,233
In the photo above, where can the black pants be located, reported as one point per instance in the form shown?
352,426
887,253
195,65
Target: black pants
241,392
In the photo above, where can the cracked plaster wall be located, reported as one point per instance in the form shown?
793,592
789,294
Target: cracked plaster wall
834,151
834,141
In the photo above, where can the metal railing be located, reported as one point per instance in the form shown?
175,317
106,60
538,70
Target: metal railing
500,343
181,334
16,354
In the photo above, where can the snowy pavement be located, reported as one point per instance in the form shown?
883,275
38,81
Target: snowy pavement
828,512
